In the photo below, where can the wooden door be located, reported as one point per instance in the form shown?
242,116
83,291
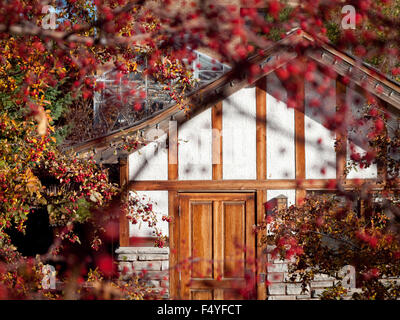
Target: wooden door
217,245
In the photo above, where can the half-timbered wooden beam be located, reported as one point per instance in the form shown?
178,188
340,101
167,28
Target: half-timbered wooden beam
299,134
261,128
217,157
261,198
173,211
173,150
341,132
382,166
124,183
251,185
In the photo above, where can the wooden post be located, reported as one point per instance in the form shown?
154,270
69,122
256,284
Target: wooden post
173,210
173,151
217,160
341,133
299,134
382,166
261,128
123,220
261,197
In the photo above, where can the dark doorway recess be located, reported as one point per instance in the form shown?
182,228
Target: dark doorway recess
38,236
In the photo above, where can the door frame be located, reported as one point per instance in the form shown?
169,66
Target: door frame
259,197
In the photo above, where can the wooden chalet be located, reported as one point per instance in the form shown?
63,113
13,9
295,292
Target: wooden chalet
240,146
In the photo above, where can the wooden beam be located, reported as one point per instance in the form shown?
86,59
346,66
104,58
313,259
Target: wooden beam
299,134
251,244
382,166
261,128
173,210
217,157
250,185
124,183
173,150
261,196
341,131
173,244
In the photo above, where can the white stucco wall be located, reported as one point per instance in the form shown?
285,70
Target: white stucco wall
319,141
159,199
393,124
280,132
195,148
357,133
150,162
239,135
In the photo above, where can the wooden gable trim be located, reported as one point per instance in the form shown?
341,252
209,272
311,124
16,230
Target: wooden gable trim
376,75
371,80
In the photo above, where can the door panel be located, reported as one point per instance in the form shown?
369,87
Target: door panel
217,243
234,231
202,238
201,295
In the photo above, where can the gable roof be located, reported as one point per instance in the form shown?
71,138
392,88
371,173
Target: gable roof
275,56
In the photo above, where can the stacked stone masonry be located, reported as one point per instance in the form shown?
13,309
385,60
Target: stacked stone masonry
281,287
152,266
149,263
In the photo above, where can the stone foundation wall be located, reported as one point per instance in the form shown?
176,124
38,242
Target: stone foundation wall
149,263
282,288
152,266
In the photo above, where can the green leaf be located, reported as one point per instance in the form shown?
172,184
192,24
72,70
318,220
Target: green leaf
83,211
